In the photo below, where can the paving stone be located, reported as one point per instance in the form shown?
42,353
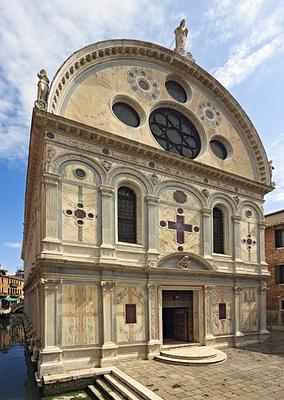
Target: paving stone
252,372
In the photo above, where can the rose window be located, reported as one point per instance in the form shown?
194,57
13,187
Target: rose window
174,132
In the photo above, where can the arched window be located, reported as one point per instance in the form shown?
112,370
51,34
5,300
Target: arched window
218,231
126,215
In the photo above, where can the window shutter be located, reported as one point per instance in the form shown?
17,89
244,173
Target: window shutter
277,274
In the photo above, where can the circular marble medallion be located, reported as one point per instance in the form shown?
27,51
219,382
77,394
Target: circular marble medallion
142,84
209,115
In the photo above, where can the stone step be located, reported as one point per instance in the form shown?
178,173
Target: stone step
219,357
108,390
138,388
96,393
190,353
121,387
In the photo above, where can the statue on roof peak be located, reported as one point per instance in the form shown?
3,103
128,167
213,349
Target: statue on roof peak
181,33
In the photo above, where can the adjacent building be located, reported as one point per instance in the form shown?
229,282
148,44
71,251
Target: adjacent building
11,285
143,214
274,250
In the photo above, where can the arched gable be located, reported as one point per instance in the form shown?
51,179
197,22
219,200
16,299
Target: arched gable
104,53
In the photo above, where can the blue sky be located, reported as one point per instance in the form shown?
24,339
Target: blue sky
241,43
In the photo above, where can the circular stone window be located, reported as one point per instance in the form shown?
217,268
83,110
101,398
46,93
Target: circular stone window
174,132
126,114
80,173
176,91
219,149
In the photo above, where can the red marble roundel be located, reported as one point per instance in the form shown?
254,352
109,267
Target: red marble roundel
180,197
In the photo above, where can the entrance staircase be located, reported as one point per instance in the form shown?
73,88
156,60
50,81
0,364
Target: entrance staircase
117,385
191,355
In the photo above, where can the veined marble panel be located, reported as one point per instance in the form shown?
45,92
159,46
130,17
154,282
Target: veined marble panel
69,202
249,241
249,311
136,331
71,196
79,315
224,296
168,237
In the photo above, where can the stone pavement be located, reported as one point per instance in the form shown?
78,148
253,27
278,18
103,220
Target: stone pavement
252,372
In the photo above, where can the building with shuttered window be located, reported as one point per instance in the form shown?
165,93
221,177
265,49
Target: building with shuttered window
143,215
274,251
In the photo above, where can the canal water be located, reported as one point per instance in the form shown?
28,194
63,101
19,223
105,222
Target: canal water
16,371
16,374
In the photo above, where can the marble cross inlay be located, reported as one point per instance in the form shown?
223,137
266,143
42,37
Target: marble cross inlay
79,214
180,227
249,242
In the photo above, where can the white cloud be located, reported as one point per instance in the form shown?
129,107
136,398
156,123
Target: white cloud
256,30
13,245
36,34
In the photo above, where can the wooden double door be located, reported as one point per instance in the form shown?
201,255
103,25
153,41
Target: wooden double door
178,316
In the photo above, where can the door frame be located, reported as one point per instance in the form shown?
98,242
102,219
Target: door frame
197,310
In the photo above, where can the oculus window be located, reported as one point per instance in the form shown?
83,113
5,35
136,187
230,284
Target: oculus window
176,91
80,173
126,114
175,133
219,149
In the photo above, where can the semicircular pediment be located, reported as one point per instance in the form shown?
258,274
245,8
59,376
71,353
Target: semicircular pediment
184,261
135,72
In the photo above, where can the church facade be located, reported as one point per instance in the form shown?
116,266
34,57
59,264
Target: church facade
143,223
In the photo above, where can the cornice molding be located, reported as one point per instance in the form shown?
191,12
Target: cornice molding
110,50
73,129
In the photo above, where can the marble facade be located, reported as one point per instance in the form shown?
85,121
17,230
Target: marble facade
79,277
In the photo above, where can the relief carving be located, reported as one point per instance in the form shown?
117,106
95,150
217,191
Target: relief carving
183,263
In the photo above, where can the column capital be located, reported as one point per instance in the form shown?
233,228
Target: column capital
208,289
238,289
236,218
108,285
152,286
50,283
207,212
262,224
152,200
263,288
50,178
106,190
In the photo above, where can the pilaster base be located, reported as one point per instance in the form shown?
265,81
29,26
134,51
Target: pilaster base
239,339
107,254
153,348
264,335
50,362
108,355
209,340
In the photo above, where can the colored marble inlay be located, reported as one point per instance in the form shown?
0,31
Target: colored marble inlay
249,242
180,227
180,197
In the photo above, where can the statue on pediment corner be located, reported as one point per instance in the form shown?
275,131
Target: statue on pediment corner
42,90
